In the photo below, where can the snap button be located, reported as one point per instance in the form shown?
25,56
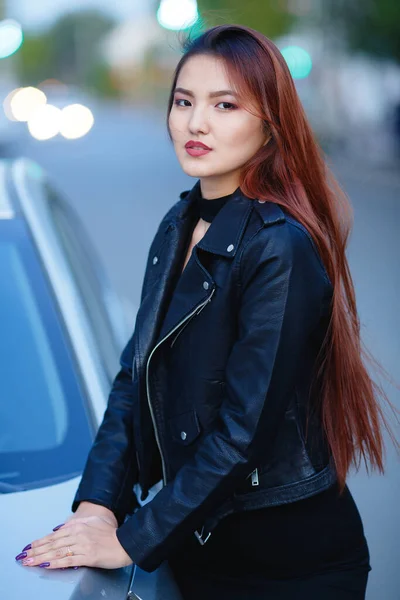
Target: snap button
261,201
206,285
183,435
230,247
155,260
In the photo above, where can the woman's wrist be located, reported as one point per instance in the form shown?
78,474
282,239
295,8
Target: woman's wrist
87,508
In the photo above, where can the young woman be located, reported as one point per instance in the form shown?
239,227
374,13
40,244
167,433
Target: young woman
242,387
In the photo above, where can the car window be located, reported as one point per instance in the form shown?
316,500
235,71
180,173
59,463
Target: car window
102,307
46,428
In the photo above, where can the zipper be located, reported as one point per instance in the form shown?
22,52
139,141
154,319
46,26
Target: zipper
137,459
254,477
188,321
188,317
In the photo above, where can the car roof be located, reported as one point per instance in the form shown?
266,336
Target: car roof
7,210
18,178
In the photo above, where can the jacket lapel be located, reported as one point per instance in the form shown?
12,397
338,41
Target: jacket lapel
165,308
154,304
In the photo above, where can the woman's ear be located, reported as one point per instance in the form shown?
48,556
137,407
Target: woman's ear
267,140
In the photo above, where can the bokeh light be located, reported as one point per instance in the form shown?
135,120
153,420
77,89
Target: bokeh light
7,104
11,37
298,60
177,14
76,121
45,122
25,101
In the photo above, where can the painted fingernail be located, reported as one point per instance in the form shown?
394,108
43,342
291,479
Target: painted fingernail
28,547
58,527
75,568
21,555
46,564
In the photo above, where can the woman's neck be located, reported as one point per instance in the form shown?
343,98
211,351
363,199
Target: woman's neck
217,189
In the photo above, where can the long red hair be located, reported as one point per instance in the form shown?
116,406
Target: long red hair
291,171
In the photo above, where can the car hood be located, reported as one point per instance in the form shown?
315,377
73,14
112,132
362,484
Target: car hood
29,515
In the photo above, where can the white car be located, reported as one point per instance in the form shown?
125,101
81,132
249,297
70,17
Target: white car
62,331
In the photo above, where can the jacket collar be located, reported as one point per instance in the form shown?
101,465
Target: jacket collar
227,228
225,232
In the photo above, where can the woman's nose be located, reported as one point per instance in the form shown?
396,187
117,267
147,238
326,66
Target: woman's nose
198,122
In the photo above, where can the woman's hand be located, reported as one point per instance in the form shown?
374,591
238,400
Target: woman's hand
89,509
92,540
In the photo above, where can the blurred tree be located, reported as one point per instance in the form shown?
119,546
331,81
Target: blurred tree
271,17
68,51
75,38
35,59
372,26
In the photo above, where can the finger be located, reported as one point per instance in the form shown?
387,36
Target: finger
78,560
51,554
38,549
52,537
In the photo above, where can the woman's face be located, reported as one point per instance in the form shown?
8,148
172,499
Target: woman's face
233,134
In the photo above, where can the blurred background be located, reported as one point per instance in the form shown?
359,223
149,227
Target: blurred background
83,89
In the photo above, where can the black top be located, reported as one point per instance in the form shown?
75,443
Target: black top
317,534
207,209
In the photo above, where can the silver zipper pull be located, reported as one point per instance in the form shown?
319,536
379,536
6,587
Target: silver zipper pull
254,477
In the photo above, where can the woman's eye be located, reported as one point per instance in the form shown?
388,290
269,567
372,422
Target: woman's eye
181,100
230,106
227,105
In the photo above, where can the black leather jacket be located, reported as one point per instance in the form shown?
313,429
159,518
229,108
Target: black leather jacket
214,384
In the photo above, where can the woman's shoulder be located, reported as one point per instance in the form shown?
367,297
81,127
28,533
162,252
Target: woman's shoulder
282,237
176,210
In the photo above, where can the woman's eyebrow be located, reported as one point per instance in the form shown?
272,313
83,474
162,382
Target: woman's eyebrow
211,94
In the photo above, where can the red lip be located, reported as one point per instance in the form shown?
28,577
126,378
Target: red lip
192,144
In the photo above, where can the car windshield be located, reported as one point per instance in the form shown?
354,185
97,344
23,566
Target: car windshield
45,424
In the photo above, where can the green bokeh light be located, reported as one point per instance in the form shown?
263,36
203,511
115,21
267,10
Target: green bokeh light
11,37
298,60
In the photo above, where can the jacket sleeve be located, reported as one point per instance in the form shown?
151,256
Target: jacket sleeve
111,467
283,285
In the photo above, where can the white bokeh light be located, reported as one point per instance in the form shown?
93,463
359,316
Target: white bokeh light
45,122
25,101
76,121
7,104
177,14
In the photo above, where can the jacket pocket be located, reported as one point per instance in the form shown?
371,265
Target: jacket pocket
184,428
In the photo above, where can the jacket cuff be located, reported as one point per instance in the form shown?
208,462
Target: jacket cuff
97,497
131,548
93,495
76,503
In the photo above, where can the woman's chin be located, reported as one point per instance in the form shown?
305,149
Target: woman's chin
197,170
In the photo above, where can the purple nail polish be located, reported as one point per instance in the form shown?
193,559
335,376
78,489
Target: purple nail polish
75,568
21,556
46,564
58,527
28,547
